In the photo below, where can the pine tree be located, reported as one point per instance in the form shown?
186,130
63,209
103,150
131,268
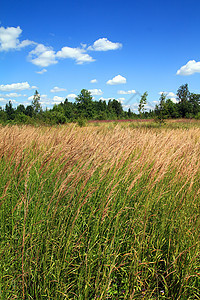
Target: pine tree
36,103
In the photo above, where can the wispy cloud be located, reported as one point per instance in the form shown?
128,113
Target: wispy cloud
93,81
42,71
15,95
57,89
126,92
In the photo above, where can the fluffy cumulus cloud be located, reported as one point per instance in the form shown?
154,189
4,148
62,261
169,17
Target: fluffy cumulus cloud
42,56
42,71
57,99
93,81
9,39
96,92
15,86
104,44
57,89
117,80
78,54
169,95
126,92
71,96
190,68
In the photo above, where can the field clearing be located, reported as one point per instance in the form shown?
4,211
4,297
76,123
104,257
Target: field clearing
106,211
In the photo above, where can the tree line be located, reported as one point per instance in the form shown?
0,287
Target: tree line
84,108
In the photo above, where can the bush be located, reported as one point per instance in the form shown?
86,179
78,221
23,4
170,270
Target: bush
81,122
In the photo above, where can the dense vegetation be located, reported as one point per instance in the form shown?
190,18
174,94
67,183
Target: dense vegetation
84,108
101,212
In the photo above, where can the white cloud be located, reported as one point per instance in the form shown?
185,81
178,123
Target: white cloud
15,86
57,99
93,81
104,44
30,98
190,68
96,92
42,56
43,98
79,55
174,100
3,99
171,94
6,100
9,39
42,71
12,95
121,100
71,96
168,94
105,99
57,89
25,43
117,80
126,92
127,106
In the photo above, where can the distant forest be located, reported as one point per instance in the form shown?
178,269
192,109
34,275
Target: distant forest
84,108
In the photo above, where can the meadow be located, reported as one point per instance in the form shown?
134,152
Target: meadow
104,211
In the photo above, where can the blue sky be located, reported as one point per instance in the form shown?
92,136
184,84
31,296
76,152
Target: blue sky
115,49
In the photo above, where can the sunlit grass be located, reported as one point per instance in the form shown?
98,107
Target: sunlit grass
99,212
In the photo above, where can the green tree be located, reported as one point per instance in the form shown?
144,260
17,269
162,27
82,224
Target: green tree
142,103
116,108
20,109
194,100
171,108
84,97
29,111
10,111
37,108
183,93
160,109
183,96
3,115
85,105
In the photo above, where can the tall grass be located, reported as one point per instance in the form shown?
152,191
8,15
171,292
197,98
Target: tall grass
99,212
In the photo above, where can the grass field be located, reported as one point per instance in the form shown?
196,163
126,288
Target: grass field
105,211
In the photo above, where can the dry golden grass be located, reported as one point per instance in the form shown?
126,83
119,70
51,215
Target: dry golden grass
104,146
